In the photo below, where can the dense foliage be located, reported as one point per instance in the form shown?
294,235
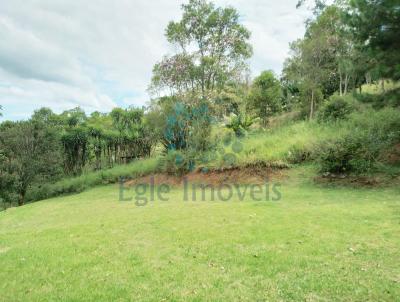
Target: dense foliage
346,45
50,146
376,26
265,96
336,108
212,48
359,149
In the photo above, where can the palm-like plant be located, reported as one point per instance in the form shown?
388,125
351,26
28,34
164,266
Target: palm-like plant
240,123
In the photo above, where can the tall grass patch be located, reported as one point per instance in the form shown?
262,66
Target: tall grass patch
92,179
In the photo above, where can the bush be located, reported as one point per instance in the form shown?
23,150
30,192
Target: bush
366,137
369,98
337,108
389,98
298,154
178,162
346,155
187,127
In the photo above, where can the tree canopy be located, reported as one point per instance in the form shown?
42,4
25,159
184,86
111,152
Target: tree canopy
376,26
212,49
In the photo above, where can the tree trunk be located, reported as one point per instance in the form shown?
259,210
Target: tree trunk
383,85
312,105
21,199
368,78
340,83
346,83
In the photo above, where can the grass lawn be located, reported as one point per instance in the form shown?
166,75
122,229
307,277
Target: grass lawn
315,244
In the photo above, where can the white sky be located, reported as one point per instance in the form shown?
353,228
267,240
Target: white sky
98,54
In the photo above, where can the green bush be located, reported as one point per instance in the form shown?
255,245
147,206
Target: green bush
369,98
178,162
336,108
358,149
345,155
298,154
187,127
389,98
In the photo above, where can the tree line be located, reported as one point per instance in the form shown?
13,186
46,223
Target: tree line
49,146
346,44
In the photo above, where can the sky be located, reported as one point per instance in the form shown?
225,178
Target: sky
99,54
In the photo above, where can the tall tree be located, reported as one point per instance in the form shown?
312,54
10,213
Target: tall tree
376,26
212,50
75,139
321,62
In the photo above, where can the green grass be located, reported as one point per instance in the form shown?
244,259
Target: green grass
278,144
316,244
377,88
297,141
92,179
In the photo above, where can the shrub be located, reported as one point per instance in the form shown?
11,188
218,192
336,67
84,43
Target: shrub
345,155
298,154
178,162
187,127
369,98
389,98
337,108
358,150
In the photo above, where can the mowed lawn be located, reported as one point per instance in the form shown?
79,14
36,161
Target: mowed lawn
315,244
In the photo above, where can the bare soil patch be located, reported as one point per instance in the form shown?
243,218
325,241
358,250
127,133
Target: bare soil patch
237,175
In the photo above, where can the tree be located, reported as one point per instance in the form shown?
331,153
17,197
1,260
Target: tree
30,151
362,37
75,140
231,99
47,116
319,63
376,26
212,50
134,138
7,182
74,117
265,96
